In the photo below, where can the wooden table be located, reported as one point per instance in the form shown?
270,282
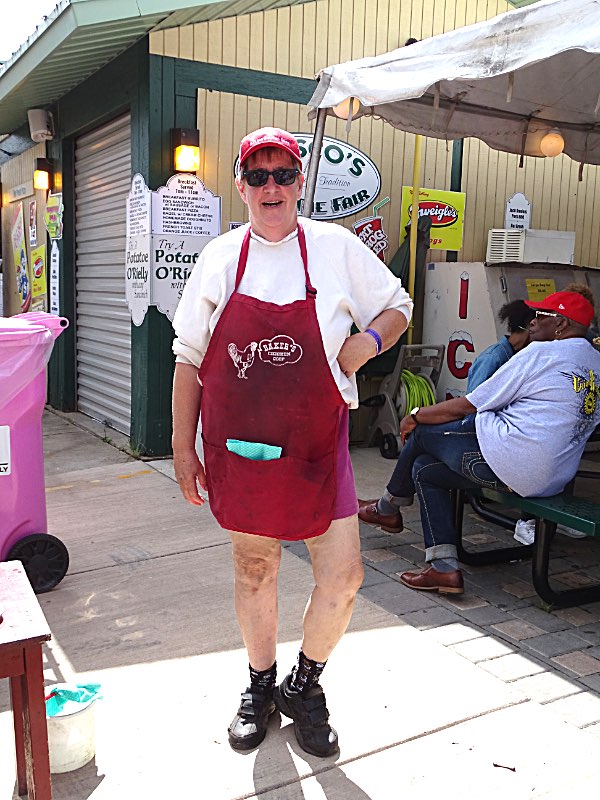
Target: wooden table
23,630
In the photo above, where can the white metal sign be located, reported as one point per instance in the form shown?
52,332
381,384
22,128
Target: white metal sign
54,294
137,253
518,212
4,450
185,207
347,182
173,259
166,232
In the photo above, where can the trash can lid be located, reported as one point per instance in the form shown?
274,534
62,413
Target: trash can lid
13,330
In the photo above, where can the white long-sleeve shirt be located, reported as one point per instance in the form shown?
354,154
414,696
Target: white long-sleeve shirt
352,285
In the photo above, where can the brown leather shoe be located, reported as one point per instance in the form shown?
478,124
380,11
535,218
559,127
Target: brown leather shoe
367,512
431,580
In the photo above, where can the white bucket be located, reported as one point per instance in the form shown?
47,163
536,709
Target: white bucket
71,737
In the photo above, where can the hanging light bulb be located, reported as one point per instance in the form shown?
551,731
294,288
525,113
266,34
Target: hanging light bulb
552,143
342,110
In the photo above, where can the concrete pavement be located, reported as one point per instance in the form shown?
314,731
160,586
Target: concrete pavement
415,688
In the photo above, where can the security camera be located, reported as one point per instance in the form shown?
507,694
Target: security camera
41,124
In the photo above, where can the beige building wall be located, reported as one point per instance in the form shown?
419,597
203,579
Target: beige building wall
18,172
300,40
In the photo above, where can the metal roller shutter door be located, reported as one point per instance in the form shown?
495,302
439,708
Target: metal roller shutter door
102,181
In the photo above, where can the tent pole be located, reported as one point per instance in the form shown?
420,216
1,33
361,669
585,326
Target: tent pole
414,221
313,164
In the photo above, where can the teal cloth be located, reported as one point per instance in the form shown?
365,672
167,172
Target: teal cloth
256,451
61,701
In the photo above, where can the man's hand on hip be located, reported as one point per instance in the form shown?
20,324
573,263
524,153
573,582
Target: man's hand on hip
355,352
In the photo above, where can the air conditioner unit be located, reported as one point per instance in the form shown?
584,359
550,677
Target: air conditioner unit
557,247
527,246
505,245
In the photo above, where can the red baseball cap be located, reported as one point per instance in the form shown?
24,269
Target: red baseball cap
568,304
269,137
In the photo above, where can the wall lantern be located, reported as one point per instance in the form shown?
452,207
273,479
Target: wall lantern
342,110
552,143
185,143
42,175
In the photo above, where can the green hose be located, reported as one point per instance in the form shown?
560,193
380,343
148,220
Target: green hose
418,391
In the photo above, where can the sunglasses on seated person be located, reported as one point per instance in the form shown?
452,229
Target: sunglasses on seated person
283,176
540,313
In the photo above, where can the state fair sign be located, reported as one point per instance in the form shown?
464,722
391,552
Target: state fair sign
446,211
347,181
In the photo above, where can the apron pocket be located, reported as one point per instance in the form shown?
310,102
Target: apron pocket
285,498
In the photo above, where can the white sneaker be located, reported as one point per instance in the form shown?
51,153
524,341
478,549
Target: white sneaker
525,531
566,531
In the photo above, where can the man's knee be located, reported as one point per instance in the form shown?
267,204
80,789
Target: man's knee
343,581
253,571
421,461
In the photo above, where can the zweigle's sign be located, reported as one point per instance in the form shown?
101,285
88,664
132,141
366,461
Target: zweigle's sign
347,182
446,211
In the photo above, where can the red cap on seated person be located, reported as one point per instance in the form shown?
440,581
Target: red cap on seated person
269,137
568,304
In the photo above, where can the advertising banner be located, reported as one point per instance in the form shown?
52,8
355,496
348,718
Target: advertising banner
447,212
22,273
32,223
53,218
370,231
54,298
37,259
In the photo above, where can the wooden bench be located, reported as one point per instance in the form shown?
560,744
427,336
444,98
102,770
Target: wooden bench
23,630
564,509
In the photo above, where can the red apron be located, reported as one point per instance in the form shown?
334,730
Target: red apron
265,378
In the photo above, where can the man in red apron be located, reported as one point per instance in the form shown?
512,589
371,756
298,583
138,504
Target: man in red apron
263,352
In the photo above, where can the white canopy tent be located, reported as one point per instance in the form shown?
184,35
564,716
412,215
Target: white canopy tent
509,81
506,81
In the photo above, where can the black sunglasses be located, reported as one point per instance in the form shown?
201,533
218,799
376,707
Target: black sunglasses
283,176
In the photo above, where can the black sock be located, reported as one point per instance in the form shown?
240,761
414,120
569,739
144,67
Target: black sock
305,674
263,682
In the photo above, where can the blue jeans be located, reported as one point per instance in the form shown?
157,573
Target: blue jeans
435,460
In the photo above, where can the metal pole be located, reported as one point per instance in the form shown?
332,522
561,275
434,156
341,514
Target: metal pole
313,164
414,221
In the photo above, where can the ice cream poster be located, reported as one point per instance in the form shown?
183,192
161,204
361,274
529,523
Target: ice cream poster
446,211
38,272
22,273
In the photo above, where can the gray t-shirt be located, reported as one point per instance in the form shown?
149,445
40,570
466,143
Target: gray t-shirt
535,414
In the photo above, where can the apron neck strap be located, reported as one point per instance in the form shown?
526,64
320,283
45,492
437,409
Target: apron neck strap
243,260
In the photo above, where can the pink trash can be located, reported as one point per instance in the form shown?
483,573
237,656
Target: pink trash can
26,342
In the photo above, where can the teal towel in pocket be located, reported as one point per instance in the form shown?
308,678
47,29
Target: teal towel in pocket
256,451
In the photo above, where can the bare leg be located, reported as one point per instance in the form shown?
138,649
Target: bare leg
256,563
338,571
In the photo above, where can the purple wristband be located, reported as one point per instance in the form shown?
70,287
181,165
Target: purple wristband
377,338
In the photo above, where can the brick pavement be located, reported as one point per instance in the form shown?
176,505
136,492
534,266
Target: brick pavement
500,624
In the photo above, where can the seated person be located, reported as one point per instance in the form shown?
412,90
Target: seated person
522,430
525,527
517,315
